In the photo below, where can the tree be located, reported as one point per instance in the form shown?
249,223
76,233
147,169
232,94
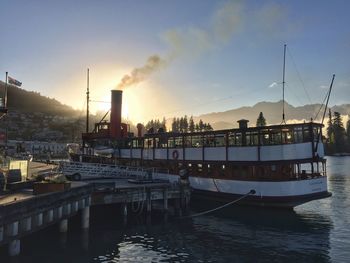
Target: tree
173,125
191,125
209,128
330,130
201,125
163,124
339,132
261,121
348,132
196,127
185,124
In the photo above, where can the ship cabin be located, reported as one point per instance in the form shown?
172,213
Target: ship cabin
269,153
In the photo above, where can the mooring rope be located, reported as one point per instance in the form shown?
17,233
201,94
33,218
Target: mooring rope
220,207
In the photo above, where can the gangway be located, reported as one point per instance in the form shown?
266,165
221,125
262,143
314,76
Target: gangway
82,170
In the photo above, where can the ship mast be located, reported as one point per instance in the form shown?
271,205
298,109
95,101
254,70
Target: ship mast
283,82
87,102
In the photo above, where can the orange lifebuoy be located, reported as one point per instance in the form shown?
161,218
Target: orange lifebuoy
175,155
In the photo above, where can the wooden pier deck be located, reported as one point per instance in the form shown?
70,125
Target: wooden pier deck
22,212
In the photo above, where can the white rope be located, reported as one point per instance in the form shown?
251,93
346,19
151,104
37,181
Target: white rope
220,207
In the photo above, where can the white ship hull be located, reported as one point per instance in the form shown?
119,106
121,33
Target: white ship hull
278,194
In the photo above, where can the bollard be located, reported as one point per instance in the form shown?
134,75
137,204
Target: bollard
85,217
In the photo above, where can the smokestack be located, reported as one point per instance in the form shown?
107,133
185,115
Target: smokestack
140,128
116,113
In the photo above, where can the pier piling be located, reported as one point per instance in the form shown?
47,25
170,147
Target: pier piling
63,226
85,217
36,212
14,247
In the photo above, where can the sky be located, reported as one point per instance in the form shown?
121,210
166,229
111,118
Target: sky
173,58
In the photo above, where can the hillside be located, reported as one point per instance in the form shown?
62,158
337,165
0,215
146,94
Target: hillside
29,101
272,112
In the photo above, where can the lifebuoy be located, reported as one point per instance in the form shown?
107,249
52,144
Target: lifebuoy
175,155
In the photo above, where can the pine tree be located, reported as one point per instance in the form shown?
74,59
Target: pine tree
163,124
185,124
261,121
339,132
191,125
174,125
348,133
196,127
330,130
209,128
200,125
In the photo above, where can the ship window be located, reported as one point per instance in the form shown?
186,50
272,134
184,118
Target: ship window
298,134
287,136
264,137
316,133
149,143
197,141
187,141
209,140
275,137
178,142
254,140
231,139
238,139
306,137
171,142
160,142
273,168
157,143
199,167
219,140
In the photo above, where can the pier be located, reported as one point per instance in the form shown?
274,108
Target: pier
22,212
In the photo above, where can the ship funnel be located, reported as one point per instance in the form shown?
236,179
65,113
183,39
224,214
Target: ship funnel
140,130
116,113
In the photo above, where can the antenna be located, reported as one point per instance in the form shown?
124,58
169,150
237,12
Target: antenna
87,102
283,82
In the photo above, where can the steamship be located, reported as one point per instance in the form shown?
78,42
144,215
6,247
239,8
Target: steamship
284,164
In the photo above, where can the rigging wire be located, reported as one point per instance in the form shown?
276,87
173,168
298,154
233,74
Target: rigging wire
322,104
299,75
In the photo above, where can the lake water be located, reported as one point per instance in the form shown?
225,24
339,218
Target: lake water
318,231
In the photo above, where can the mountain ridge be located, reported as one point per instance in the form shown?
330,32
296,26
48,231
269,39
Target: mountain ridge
29,101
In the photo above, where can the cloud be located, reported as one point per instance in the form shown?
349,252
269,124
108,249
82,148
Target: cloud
229,19
273,84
